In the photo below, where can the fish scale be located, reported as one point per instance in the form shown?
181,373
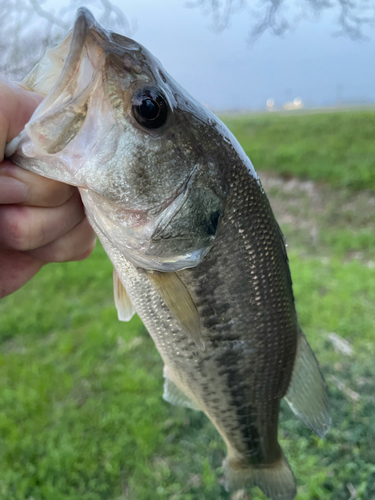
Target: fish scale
271,331
196,249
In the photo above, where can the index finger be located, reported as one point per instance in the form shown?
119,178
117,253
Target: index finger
16,107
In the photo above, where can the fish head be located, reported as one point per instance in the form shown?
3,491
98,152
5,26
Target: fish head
142,151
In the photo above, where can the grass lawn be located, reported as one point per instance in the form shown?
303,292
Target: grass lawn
337,147
81,413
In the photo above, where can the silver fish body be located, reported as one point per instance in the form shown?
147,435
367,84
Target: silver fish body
196,249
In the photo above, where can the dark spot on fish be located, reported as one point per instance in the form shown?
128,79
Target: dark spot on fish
212,223
245,411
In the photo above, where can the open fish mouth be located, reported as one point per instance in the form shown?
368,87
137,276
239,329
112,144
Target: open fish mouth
68,75
73,75
89,81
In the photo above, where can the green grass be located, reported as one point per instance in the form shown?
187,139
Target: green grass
337,147
81,413
80,406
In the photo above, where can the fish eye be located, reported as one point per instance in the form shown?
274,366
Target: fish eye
150,108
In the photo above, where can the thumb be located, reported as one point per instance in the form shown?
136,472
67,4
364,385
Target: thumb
16,107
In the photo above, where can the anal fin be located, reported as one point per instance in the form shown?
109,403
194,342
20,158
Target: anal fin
173,395
125,308
307,393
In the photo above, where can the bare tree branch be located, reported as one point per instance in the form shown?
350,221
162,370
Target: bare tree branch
221,11
275,17
27,28
48,15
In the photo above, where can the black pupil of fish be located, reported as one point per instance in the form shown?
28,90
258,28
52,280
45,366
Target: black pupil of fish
149,109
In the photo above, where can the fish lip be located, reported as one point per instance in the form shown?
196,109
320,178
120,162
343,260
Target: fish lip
83,23
84,18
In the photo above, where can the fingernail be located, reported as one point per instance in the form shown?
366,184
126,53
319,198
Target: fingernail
12,191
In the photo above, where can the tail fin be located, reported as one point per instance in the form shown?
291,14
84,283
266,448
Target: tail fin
275,480
307,393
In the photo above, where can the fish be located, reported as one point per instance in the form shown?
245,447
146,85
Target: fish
196,249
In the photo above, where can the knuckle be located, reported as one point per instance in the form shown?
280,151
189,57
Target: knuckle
59,253
17,228
57,194
82,250
78,244
89,251
53,252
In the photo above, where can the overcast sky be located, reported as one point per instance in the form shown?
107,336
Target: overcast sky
224,72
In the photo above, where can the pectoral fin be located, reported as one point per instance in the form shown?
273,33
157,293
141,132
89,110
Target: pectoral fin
173,395
125,309
307,393
178,299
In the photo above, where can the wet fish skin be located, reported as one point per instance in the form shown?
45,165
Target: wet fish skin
181,212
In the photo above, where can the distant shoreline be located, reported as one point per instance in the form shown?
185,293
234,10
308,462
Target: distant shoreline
293,112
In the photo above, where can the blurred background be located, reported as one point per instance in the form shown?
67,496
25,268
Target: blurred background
81,413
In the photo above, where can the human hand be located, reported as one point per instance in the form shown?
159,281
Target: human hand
41,220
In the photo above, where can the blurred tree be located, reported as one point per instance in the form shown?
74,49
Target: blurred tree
279,16
27,28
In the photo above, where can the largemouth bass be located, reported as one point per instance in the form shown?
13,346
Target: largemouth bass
196,249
